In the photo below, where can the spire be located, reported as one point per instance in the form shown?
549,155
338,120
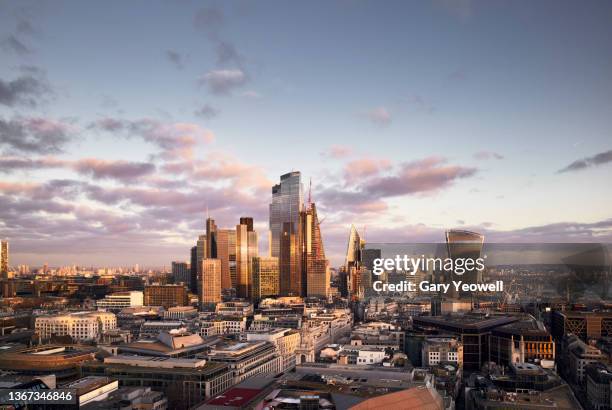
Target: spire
310,192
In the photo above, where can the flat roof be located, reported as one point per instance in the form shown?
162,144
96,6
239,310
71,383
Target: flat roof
234,397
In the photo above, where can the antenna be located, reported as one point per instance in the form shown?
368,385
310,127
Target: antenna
310,192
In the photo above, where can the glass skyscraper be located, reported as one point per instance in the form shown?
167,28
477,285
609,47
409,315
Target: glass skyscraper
287,203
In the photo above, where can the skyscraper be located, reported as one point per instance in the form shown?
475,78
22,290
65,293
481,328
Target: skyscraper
211,282
265,277
314,264
356,272
4,259
287,203
246,249
464,244
211,238
200,256
193,284
226,253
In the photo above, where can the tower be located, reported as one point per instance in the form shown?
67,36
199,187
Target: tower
285,234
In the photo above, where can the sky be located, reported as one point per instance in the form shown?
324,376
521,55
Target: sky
121,124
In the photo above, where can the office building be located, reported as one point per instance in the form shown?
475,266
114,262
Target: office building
285,340
181,273
461,244
120,300
201,246
441,350
314,264
193,268
246,359
585,325
520,342
185,382
265,277
287,203
246,250
211,282
211,239
472,330
166,295
226,253
4,259
81,326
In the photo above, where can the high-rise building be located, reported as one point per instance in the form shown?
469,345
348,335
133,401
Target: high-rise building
4,259
201,255
211,239
265,277
314,264
181,273
287,203
246,249
211,281
464,244
248,221
165,295
292,281
226,253
355,270
193,284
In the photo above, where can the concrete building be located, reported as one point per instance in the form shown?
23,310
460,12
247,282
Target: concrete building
119,300
211,282
246,359
80,325
166,295
185,382
442,350
285,340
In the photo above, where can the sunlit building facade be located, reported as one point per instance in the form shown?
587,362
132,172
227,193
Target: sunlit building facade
226,253
287,203
211,281
265,277
314,264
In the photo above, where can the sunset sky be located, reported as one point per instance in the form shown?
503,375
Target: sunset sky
120,124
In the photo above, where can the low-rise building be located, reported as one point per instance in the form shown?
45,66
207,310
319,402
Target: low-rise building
442,350
285,340
120,300
80,326
185,382
246,359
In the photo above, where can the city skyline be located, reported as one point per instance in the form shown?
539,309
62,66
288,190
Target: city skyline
113,143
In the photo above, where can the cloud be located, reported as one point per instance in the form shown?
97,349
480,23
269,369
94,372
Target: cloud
35,135
120,170
176,140
125,171
227,53
593,161
223,81
426,175
338,151
24,90
485,155
206,111
367,182
379,116
212,20
359,169
13,44
175,58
